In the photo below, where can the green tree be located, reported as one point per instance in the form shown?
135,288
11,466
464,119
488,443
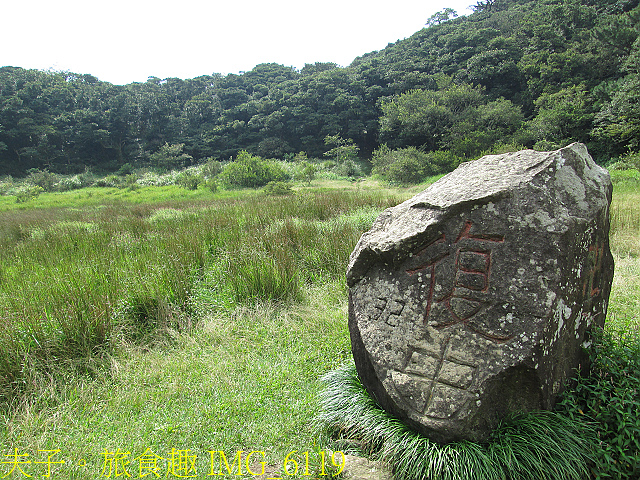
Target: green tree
170,156
342,150
309,171
442,16
480,127
458,117
523,51
618,121
416,118
564,116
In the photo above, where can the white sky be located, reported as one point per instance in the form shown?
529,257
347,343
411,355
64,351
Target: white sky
124,41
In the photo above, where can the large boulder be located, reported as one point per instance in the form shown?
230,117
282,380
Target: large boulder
475,298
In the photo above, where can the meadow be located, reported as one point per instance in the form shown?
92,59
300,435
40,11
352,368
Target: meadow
159,327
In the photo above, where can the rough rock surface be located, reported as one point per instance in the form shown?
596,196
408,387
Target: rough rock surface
358,468
474,298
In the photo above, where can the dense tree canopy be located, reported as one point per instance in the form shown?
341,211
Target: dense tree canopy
543,72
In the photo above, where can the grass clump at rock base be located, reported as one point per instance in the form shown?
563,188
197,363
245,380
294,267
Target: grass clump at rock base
593,433
540,446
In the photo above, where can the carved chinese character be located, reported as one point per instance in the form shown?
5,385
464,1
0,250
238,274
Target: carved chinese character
455,300
594,262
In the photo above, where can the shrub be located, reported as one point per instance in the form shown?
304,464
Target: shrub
546,146
381,159
125,169
625,176
155,180
69,183
188,179
84,179
349,168
6,185
131,182
212,185
42,178
26,193
211,167
309,171
632,159
342,150
305,171
109,181
251,171
300,157
628,162
500,148
278,188
408,169
409,165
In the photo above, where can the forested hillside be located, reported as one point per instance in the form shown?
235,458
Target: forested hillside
537,73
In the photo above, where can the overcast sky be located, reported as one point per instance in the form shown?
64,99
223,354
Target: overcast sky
124,41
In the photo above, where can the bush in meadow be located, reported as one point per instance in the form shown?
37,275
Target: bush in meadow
251,171
278,188
406,166
189,179
27,192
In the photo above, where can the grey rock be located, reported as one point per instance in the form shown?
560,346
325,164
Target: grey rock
474,298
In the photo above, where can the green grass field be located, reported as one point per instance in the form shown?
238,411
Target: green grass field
159,327
624,303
